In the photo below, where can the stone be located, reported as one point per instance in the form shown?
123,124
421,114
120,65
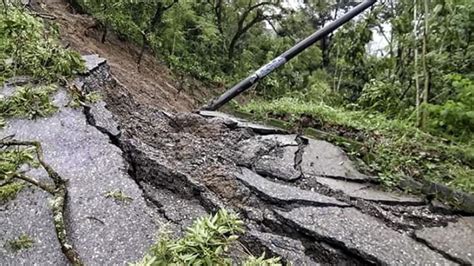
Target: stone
257,128
368,192
321,158
283,193
99,116
280,140
280,163
456,240
93,61
103,230
291,250
252,149
176,209
362,235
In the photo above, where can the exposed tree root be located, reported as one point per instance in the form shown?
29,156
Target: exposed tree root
59,193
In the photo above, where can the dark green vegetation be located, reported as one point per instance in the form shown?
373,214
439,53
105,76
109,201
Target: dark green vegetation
412,106
22,242
30,47
10,162
206,242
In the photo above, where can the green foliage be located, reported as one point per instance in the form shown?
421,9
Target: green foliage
10,190
28,47
22,242
10,162
206,242
455,117
28,102
261,261
12,159
78,98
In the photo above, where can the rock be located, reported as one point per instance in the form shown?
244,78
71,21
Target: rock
361,235
252,149
103,230
283,193
99,116
257,128
292,251
93,61
321,158
182,212
280,163
367,192
455,240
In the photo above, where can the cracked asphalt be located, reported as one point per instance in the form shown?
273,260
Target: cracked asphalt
301,198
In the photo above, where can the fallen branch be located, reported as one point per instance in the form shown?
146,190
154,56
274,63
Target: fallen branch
34,182
59,197
44,16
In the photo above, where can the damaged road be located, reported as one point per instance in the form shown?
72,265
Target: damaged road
301,198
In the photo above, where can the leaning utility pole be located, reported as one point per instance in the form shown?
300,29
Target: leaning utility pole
286,56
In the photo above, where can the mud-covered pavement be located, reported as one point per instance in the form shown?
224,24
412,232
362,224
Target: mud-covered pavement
301,198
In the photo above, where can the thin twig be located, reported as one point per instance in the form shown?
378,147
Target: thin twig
44,187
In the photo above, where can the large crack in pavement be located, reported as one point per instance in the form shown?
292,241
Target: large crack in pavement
212,161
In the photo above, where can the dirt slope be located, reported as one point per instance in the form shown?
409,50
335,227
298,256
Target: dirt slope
154,84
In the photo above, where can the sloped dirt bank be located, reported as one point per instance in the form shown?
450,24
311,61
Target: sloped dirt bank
301,199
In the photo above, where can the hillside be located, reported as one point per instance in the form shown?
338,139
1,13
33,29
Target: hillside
105,164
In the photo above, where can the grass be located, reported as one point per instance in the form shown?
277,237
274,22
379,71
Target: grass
10,191
10,162
27,102
391,148
206,242
22,242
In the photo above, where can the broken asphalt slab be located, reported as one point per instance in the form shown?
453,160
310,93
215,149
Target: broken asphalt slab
361,235
368,192
281,193
321,158
242,123
456,240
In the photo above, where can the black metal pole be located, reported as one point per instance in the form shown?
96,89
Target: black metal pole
286,56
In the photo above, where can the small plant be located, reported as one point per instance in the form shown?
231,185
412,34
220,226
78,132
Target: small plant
9,191
118,195
261,261
79,99
206,242
29,103
22,242
12,159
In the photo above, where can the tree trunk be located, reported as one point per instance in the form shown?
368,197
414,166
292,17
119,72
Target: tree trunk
426,74
104,34
415,48
76,7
